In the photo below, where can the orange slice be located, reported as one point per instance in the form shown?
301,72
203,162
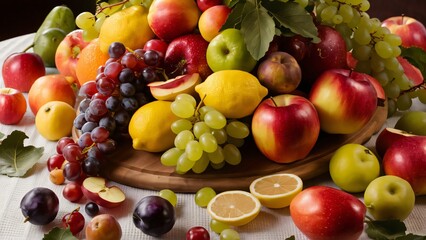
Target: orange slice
277,190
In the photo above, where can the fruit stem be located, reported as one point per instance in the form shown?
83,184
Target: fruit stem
28,48
179,66
100,9
272,99
197,113
27,218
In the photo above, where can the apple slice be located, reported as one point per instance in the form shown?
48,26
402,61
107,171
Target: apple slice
168,90
95,189
387,137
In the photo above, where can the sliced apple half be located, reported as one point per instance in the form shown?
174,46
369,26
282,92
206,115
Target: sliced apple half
168,90
95,189
387,137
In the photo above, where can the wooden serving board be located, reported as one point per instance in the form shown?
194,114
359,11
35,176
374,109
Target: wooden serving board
142,169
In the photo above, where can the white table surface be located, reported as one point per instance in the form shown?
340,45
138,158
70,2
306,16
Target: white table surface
270,224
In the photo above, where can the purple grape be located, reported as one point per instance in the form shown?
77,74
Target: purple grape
151,58
113,103
85,140
91,166
99,134
122,118
107,146
129,104
72,171
149,75
127,89
92,209
116,50
84,104
40,206
108,122
89,126
126,76
79,121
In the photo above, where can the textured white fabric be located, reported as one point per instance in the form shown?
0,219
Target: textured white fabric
269,225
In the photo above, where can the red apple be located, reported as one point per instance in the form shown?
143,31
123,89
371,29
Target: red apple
411,31
168,90
95,189
279,72
377,86
48,88
170,19
212,20
345,100
322,212
157,45
13,106
187,54
285,128
68,51
203,5
20,70
387,137
103,227
406,158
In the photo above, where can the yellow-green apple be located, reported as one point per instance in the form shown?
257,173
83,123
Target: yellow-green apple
169,89
322,212
187,54
285,128
406,158
95,189
20,70
170,19
279,72
411,31
103,227
68,51
389,198
345,100
54,87
203,5
387,137
228,51
13,106
413,122
212,20
353,166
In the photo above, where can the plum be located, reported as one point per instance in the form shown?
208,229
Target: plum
40,206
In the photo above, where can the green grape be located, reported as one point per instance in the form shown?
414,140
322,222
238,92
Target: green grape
232,154
362,52
392,64
337,19
229,234
365,5
396,51
237,129
328,13
136,2
194,150
85,20
217,166
203,196
203,110
381,32
302,3
186,97
355,19
346,12
404,102
392,90
200,128
362,36
105,9
183,138
182,108
201,165
216,156
391,107
377,63
215,119
184,164
319,7
90,34
363,66
403,82
422,95
364,21
383,49
375,26
220,135
217,226
382,77
208,142
170,157
180,125
238,142
392,39
169,195
99,22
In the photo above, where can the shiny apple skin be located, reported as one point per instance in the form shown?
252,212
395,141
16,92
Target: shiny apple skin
285,132
212,20
411,31
323,213
387,137
13,106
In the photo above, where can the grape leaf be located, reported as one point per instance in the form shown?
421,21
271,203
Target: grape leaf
417,57
15,159
59,234
258,29
383,230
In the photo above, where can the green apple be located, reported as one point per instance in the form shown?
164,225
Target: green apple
353,166
228,51
389,197
413,122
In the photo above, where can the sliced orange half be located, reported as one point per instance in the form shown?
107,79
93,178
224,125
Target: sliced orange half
276,190
235,208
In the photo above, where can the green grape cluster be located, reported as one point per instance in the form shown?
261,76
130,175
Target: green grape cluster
374,47
203,137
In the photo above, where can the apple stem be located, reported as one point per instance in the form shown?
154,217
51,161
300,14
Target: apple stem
272,99
28,48
179,66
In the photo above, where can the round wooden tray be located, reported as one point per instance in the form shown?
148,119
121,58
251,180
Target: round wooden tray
142,169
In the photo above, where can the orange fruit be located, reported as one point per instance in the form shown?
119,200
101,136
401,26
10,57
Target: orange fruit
90,58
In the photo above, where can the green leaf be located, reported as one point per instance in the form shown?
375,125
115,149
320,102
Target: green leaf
292,237
59,234
417,57
383,230
238,12
411,237
294,17
258,29
15,159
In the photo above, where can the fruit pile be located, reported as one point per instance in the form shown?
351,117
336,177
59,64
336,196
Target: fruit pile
192,80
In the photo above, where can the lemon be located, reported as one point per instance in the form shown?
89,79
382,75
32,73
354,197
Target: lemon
150,127
276,190
235,207
54,120
234,93
128,26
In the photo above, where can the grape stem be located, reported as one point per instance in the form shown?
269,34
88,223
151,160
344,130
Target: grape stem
414,88
100,9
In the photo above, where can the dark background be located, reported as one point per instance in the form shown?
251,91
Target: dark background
20,17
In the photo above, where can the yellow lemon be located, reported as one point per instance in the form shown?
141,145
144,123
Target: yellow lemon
234,93
54,120
150,127
128,26
276,190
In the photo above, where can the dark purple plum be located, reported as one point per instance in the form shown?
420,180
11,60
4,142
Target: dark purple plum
40,206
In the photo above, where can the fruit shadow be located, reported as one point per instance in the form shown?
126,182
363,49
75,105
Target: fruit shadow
267,219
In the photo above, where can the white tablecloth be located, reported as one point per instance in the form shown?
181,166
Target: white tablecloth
270,224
